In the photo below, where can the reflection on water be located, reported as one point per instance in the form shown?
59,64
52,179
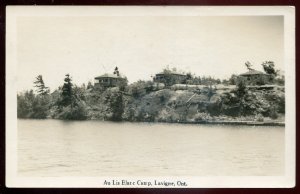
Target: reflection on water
94,148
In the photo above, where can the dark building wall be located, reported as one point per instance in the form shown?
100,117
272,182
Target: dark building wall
169,78
257,79
108,82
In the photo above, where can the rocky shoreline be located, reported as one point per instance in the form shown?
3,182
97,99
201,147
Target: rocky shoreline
251,123
142,103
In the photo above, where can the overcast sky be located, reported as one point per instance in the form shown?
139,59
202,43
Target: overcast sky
86,47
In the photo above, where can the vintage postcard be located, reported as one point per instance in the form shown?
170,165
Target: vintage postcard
150,96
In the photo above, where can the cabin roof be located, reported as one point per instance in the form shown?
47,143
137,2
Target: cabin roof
108,75
171,72
252,72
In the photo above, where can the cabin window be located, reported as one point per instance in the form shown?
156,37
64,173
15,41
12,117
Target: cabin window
105,80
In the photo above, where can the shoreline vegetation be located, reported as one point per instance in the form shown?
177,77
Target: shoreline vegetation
196,100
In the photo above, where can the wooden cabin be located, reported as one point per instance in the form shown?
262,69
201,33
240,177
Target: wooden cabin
253,77
109,80
170,78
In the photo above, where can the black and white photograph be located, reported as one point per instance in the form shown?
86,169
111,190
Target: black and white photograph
150,97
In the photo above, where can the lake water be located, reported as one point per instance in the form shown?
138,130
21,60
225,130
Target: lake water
96,148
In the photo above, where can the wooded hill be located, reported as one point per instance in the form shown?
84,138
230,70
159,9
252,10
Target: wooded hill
149,102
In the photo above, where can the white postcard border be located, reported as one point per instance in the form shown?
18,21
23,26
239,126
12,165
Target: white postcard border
13,12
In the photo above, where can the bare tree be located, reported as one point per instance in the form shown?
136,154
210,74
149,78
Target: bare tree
117,71
269,68
248,65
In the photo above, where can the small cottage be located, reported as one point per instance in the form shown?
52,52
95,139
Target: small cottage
110,80
170,78
253,77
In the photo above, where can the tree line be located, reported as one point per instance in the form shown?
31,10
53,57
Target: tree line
67,99
70,101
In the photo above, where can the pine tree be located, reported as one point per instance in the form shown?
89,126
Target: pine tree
40,85
67,91
89,85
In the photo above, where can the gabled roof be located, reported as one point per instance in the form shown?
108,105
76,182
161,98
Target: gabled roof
252,72
108,75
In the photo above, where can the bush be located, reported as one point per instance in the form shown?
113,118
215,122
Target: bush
24,104
273,113
40,107
34,106
241,88
281,104
77,112
259,118
201,116
230,105
115,102
233,80
140,88
213,110
280,80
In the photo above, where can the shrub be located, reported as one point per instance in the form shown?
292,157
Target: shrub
281,104
201,116
273,113
213,108
230,105
34,106
241,88
140,88
71,112
114,100
24,104
259,117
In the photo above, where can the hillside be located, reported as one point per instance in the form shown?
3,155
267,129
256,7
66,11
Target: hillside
151,102
190,104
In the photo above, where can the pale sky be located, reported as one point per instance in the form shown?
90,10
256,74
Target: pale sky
141,46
